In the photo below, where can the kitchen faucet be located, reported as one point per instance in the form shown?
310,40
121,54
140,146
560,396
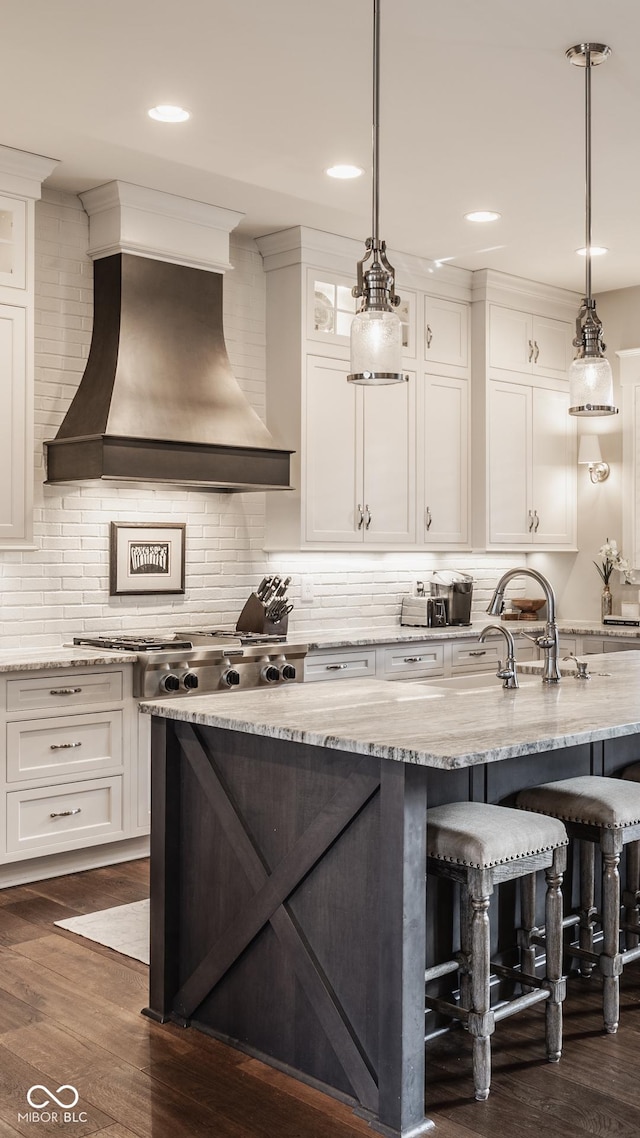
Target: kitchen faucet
509,672
548,641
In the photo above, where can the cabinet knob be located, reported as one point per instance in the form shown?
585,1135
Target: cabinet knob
478,652
335,667
427,518
360,516
63,746
66,813
530,520
65,691
537,352
531,350
536,521
368,516
429,335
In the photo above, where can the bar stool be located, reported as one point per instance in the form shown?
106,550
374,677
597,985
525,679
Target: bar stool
479,846
631,895
605,812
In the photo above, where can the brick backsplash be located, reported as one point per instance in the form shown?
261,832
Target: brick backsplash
61,588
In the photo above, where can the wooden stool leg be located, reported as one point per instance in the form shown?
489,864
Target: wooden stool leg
553,937
465,949
528,924
481,1023
610,958
632,892
587,903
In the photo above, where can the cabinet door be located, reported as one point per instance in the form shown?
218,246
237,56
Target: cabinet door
510,339
446,332
13,249
445,439
389,463
554,469
15,429
333,452
509,460
553,350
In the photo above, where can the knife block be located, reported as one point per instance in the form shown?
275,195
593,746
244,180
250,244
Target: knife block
253,618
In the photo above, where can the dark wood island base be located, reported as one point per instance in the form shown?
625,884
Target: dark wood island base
288,901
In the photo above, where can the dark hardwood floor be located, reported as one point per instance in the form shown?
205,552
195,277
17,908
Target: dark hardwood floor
70,1014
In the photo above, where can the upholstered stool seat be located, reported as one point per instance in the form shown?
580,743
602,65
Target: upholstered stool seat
605,812
479,846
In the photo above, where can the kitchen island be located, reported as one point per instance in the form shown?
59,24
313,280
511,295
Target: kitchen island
288,857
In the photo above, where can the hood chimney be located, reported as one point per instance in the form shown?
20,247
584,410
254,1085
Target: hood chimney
158,401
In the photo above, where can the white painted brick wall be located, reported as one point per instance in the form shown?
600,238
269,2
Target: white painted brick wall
62,587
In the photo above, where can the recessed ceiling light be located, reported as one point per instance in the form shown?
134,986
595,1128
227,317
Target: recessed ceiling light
344,171
482,215
167,113
596,251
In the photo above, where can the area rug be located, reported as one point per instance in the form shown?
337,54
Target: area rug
124,928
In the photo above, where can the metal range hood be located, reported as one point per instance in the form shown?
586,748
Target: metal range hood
158,401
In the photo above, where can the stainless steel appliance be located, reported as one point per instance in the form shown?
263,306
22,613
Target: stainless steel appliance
456,589
206,661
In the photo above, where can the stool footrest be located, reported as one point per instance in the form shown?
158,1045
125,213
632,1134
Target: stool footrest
631,954
582,953
505,973
438,970
572,919
447,1008
520,1003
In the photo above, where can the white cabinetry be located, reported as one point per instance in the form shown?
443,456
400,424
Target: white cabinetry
21,176
630,423
524,440
381,467
520,341
359,458
69,781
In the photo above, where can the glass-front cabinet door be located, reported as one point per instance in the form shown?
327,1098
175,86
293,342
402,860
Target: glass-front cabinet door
12,242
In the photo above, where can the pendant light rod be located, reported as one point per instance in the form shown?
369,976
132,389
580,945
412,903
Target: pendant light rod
375,139
587,173
590,376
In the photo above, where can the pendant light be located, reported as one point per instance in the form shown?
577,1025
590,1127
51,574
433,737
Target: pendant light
590,376
376,329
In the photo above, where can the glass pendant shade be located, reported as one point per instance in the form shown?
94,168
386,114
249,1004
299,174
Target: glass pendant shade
376,348
591,387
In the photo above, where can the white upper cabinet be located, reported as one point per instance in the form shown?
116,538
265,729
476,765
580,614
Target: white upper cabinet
359,458
523,438
363,467
446,335
443,505
523,342
21,177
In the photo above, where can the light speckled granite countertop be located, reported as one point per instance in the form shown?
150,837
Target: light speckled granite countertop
32,659
319,640
419,723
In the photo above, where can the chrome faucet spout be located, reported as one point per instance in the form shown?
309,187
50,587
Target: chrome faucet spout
509,673
548,641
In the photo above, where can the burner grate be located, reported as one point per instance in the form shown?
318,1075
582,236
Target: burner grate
132,643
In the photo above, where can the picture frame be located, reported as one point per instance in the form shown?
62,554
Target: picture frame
146,558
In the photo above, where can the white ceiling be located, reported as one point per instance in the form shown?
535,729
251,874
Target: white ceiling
479,109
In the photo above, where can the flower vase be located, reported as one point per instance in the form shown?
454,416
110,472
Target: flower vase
606,602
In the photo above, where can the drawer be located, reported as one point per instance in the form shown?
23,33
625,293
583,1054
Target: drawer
568,644
64,745
340,665
414,660
64,691
78,813
475,657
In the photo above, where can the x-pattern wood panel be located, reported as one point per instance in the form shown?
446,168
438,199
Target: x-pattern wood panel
272,889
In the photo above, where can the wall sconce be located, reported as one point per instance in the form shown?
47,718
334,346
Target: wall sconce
589,454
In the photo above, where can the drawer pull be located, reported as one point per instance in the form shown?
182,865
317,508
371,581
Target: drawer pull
63,746
65,813
413,659
65,691
335,667
478,652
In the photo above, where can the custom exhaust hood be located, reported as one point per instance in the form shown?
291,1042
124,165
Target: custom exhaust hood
158,401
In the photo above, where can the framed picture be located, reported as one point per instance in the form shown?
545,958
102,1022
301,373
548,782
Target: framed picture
146,558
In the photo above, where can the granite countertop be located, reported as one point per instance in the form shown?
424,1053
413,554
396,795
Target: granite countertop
419,723
33,659
320,640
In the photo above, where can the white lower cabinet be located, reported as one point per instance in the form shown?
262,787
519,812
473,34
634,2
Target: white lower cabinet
70,782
